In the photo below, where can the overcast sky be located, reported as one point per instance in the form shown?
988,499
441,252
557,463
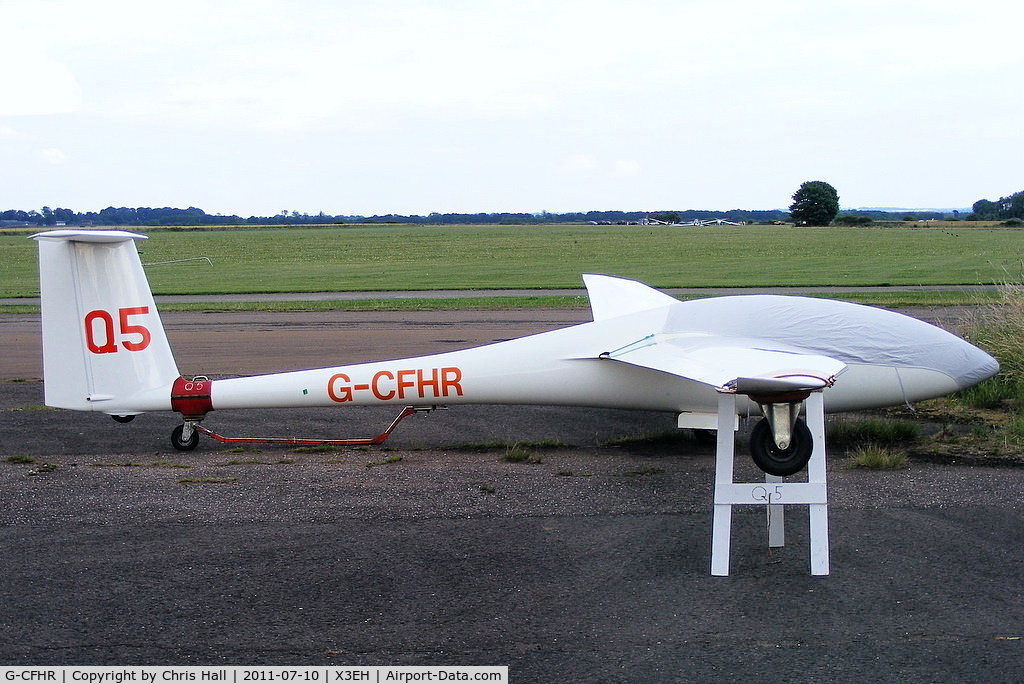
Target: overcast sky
252,107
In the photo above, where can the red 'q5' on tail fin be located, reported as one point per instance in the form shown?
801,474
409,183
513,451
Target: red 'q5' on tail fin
104,347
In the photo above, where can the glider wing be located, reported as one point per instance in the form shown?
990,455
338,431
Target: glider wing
732,364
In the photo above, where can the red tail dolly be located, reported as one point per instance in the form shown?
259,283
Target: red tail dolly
191,398
358,441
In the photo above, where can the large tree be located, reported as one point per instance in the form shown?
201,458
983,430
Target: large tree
816,203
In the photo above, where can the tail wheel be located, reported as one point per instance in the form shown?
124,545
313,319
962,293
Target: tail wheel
781,462
184,444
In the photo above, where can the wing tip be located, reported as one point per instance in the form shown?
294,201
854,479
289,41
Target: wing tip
783,385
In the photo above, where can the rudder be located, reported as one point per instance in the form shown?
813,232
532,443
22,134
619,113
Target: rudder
104,347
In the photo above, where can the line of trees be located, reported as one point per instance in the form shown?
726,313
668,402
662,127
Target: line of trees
193,216
117,216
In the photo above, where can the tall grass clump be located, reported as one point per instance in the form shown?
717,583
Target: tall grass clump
874,443
876,457
999,330
877,431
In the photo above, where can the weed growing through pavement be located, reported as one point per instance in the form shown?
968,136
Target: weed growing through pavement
519,454
642,473
389,459
876,457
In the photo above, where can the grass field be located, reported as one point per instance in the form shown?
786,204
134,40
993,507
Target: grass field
399,257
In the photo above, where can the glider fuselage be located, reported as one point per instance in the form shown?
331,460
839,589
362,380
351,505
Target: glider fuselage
105,349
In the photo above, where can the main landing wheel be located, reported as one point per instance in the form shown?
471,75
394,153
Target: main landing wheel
782,462
184,444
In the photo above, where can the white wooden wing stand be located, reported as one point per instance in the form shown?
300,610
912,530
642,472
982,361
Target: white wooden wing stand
773,493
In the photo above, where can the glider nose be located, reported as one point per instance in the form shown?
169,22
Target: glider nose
973,366
946,365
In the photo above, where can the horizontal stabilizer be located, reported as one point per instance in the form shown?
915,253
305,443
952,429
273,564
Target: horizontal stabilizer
96,236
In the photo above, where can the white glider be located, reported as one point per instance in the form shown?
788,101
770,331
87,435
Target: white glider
104,349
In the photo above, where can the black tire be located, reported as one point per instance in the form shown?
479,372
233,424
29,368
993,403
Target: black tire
181,445
781,462
124,419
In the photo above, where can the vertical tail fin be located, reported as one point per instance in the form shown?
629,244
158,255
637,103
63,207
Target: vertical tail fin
104,348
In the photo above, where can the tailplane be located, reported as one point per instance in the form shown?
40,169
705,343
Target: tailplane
104,348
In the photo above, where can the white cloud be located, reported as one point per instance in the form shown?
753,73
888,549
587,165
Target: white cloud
626,168
8,133
579,165
589,166
52,155
34,83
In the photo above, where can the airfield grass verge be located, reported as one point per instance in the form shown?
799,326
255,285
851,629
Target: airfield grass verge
891,299
404,257
467,303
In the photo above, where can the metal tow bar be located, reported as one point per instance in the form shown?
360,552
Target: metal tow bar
359,441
